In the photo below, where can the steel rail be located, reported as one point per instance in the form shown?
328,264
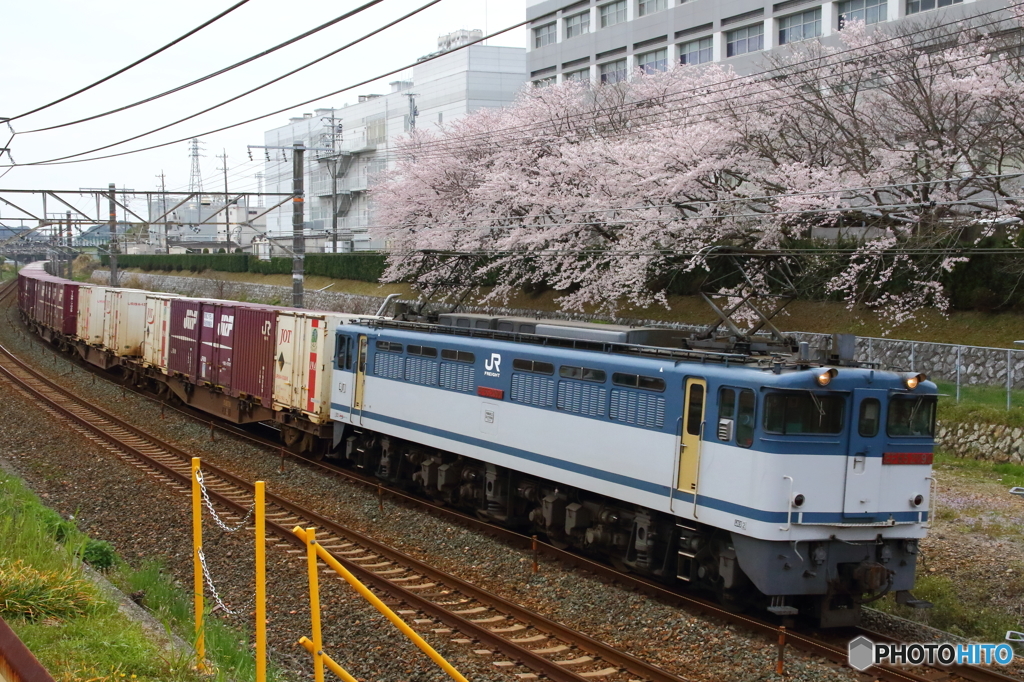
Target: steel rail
808,643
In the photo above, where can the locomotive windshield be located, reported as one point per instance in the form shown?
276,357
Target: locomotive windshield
911,416
804,412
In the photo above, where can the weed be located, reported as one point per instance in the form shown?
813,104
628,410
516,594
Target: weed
26,592
962,609
99,554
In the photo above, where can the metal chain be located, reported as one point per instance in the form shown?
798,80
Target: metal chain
213,512
213,590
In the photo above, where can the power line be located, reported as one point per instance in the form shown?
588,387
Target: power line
63,159
71,158
219,72
174,42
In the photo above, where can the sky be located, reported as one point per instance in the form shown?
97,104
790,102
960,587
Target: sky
54,47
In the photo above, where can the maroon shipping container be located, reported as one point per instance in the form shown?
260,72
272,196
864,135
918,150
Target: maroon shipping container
66,307
255,337
216,341
184,342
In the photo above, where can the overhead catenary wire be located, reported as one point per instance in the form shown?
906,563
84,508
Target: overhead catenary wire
123,69
219,72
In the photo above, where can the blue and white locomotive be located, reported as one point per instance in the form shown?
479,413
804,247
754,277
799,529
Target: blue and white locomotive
804,487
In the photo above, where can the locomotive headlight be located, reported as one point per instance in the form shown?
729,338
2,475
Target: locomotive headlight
917,500
798,500
911,382
825,377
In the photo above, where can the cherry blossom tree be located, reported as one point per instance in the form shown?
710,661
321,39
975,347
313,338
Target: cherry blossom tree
908,139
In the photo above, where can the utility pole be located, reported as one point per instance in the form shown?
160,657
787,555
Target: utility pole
113,234
413,111
298,236
163,209
71,253
227,216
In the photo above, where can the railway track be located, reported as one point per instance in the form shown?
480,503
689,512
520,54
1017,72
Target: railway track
530,644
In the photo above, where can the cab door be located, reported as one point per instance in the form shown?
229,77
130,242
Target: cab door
357,391
695,398
864,457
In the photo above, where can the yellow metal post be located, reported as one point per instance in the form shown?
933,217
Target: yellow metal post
328,661
197,573
314,605
411,634
261,584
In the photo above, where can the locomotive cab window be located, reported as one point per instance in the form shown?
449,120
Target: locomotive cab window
533,366
911,416
745,418
696,409
870,418
726,413
457,355
803,412
345,352
582,373
638,381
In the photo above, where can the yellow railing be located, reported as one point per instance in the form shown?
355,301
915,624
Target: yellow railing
314,550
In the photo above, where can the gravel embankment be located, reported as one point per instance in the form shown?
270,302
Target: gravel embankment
114,501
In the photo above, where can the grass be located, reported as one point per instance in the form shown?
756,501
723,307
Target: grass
72,629
959,608
1004,473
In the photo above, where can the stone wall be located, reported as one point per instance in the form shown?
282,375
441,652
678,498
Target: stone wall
989,442
271,294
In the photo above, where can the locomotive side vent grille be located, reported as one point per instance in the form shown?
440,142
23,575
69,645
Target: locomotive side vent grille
580,398
388,365
725,429
637,408
421,371
533,390
458,377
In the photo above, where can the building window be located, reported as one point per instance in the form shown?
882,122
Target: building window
650,62
544,82
613,13
651,6
868,11
613,72
579,75
577,24
744,40
915,6
695,51
545,35
801,26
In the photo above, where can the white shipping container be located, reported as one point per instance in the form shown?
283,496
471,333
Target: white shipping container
126,326
305,358
82,321
156,342
92,314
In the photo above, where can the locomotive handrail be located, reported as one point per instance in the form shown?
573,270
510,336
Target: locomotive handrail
576,344
789,503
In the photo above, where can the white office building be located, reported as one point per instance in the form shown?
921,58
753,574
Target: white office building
364,135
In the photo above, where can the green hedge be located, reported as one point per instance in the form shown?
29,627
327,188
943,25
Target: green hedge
363,267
